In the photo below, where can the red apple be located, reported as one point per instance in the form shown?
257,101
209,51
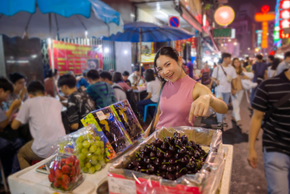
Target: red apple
66,169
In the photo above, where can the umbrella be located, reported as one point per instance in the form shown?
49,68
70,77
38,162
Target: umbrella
55,18
148,32
58,18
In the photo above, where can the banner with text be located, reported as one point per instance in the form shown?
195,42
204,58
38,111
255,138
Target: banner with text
75,57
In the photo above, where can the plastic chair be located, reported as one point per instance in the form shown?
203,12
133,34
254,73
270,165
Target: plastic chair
145,110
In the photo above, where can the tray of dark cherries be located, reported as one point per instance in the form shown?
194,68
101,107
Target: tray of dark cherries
171,158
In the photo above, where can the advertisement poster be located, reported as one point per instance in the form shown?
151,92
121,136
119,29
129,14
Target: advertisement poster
76,58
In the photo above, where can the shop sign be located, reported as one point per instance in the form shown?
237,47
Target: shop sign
76,58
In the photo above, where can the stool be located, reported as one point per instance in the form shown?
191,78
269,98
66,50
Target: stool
145,110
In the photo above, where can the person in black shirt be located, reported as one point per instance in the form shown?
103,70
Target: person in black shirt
125,78
274,92
270,60
79,103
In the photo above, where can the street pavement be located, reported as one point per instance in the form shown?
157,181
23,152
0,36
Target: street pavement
244,179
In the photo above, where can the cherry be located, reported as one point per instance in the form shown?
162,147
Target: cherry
184,139
163,175
152,154
168,154
159,154
158,142
153,148
130,166
170,176
178,174
164,167
170,168
164,146
172,149
171,161
196,155
184,160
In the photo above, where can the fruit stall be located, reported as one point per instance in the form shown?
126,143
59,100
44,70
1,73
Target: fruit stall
109,155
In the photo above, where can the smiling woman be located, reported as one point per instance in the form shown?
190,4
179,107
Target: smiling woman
181,98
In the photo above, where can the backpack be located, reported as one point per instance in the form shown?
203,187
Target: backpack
107,99
131,99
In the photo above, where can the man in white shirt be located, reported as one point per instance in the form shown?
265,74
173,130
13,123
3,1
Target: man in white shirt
284,64
135,78
44,117
225,77
119,92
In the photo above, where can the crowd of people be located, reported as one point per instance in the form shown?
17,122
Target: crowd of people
42,108
172,84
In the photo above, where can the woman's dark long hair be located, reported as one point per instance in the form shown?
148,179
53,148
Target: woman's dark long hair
149,75
166,51
117,77
275,64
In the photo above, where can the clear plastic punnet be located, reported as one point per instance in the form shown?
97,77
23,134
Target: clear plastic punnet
91,148
199,174
64,172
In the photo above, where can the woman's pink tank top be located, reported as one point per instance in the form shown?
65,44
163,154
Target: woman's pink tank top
175,103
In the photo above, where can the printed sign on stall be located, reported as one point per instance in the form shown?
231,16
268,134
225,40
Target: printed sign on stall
76,58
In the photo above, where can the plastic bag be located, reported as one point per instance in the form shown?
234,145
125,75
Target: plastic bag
90,146
125,114
105,120
64,172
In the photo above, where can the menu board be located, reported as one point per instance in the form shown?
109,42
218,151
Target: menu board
75,57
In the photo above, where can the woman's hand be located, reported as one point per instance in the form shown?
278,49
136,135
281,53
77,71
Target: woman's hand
199,107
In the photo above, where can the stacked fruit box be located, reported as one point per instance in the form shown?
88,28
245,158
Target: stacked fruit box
200,160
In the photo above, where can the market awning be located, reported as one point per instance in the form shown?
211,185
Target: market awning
65,19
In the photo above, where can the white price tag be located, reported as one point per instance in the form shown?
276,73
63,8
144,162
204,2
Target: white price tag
121,186
101,116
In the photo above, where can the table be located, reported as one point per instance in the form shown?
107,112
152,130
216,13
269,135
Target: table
29,181
138,92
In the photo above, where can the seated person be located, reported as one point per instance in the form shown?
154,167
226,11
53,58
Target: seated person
44,117
51,88
119,92
82,81
19,90
125,78
153,89
8,148
135,78
100,92
79,103
118,79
